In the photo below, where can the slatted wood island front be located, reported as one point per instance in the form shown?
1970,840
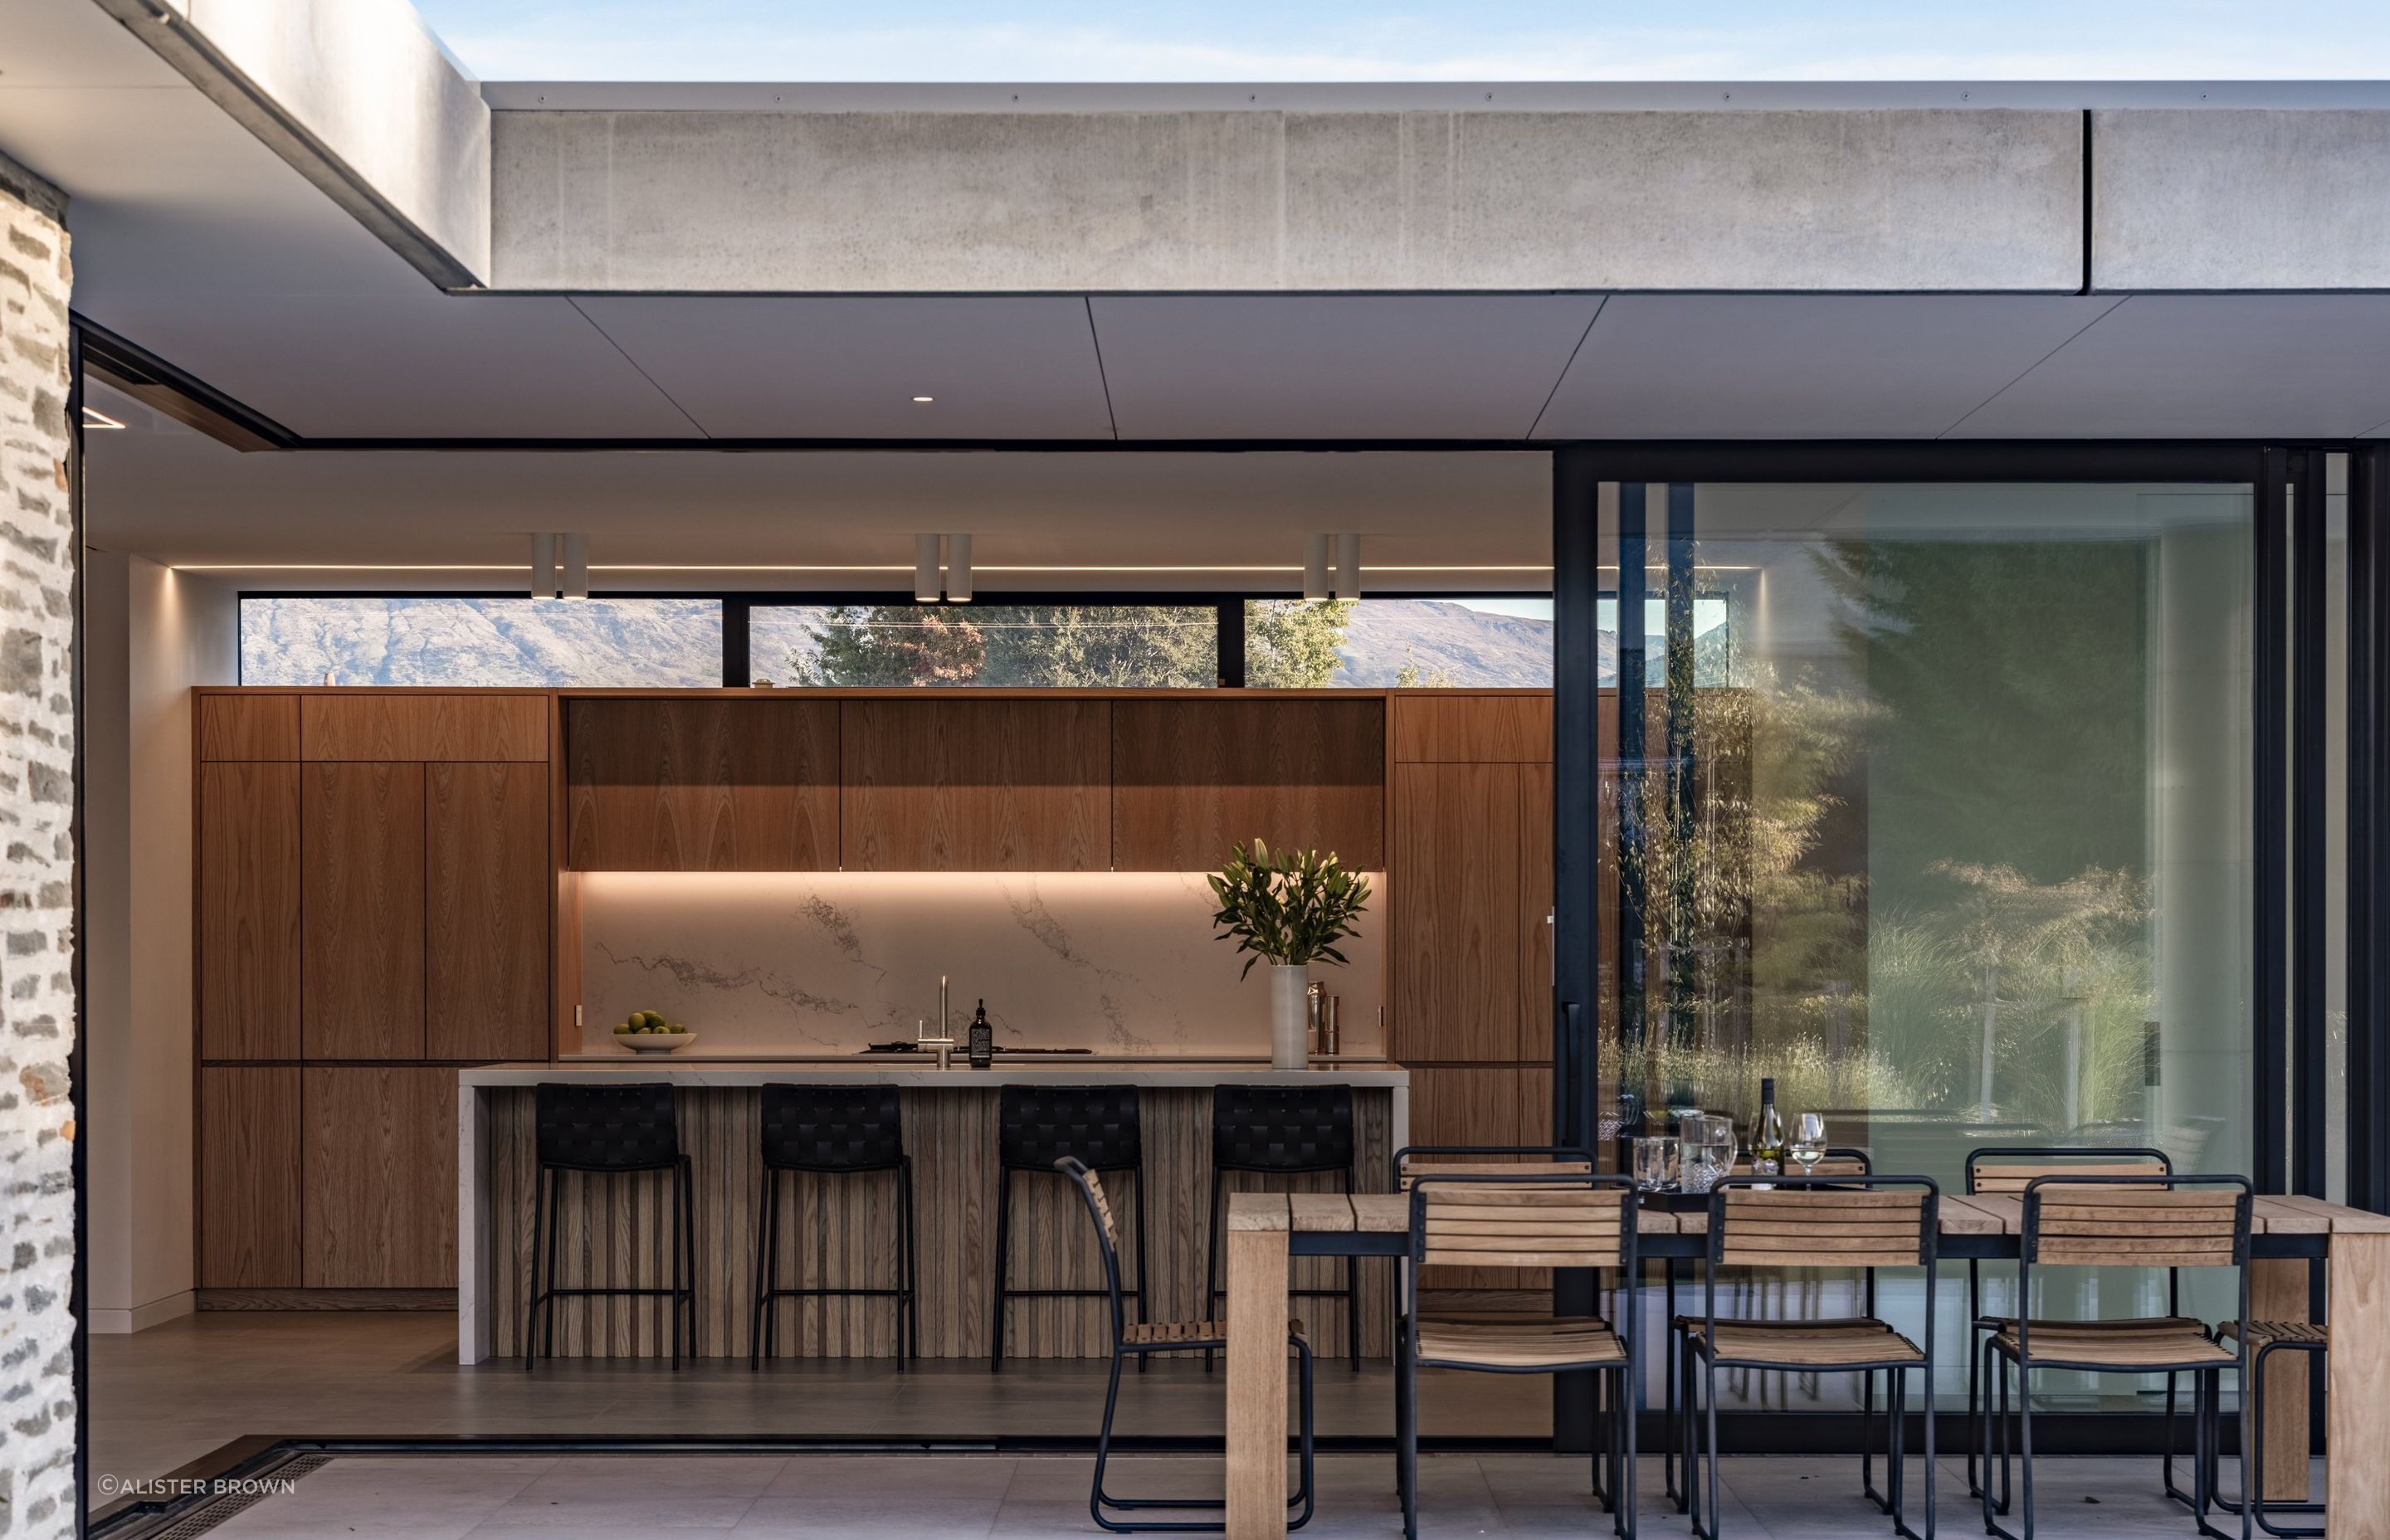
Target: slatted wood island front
839,1231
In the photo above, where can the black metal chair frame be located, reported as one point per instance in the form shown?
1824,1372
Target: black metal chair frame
764,1337
548,1194
1004,1292
2255,1395
2205,1374
1216,1288
1699,1433
1976,1329
1614,1405
1675,1474
1123,1349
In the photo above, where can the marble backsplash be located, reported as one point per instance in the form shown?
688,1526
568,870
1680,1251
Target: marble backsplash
826,962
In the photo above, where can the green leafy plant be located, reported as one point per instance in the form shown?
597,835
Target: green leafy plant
1291,908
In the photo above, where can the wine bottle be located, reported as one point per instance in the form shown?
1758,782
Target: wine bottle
1767,1139
983,1039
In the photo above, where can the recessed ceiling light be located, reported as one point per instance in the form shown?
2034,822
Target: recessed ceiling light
94,418
923,401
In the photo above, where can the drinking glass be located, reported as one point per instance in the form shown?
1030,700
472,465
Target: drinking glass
1693,1172
1809,1146
1723,1146
1656,1163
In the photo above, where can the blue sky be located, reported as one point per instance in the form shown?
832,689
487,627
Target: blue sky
1333,39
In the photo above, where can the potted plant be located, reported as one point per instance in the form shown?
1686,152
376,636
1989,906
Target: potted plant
1289,909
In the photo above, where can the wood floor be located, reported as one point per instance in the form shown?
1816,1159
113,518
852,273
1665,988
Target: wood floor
167,1396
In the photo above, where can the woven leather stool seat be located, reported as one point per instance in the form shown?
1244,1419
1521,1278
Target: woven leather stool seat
832,1128
585,1127
1287,1128
1096,1126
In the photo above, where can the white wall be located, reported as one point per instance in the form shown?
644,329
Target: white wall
150,633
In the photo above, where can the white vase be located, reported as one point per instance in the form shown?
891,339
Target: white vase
1289,1017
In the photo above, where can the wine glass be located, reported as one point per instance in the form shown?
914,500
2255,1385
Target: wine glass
1808,1144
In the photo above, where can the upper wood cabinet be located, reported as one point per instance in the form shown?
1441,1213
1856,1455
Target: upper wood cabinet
958,785
485,911
249,910
478,725
1192,777
248,1177
249,726
380,1177
1455,925
701,785
362,835
1515,729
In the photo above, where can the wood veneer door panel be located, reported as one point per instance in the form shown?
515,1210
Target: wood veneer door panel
1472,728
249,911
1192,777
248,1177
1467,1106
485,911
701,785
364,860
380,1177
1456,924
480,725
249,726
976,786
1536,1025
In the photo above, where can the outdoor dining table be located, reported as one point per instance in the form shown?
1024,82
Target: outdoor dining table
2288,1236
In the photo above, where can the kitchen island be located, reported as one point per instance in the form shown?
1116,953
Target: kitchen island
838,1231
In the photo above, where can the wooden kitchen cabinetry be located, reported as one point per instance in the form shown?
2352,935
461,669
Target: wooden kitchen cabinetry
379,1158
249,910
248,1177
1192,777
1006,785
701,785
486,880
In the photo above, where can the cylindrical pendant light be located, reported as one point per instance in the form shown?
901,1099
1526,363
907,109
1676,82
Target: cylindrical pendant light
542,566
925,569
1315,567
576,567
958,578
1348,565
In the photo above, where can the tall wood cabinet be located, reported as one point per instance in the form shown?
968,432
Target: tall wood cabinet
374,907
1473,893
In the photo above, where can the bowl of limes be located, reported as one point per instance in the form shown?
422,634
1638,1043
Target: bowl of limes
647,1032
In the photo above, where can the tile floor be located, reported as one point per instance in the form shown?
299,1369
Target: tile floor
958,1497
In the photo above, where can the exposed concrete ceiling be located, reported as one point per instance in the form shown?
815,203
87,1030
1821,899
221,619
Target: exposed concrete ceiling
196,242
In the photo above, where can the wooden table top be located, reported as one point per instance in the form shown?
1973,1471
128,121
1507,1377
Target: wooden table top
1381,1213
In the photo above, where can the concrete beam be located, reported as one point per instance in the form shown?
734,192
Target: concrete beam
2239,199
1895,200
360,98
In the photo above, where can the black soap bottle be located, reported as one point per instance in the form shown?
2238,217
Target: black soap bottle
983,1039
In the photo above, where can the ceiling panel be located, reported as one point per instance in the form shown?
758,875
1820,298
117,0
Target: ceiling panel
422,365
1336,367
2209,366
780,367
1781,367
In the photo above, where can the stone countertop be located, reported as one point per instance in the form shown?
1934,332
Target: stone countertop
895,1069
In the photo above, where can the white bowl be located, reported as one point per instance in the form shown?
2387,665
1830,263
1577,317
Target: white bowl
655,1042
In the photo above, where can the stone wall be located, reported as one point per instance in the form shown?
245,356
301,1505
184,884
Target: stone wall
37,876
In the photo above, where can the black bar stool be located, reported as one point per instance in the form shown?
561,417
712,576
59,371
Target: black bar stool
1097,1126
831,1130
610,1130
1285,1131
